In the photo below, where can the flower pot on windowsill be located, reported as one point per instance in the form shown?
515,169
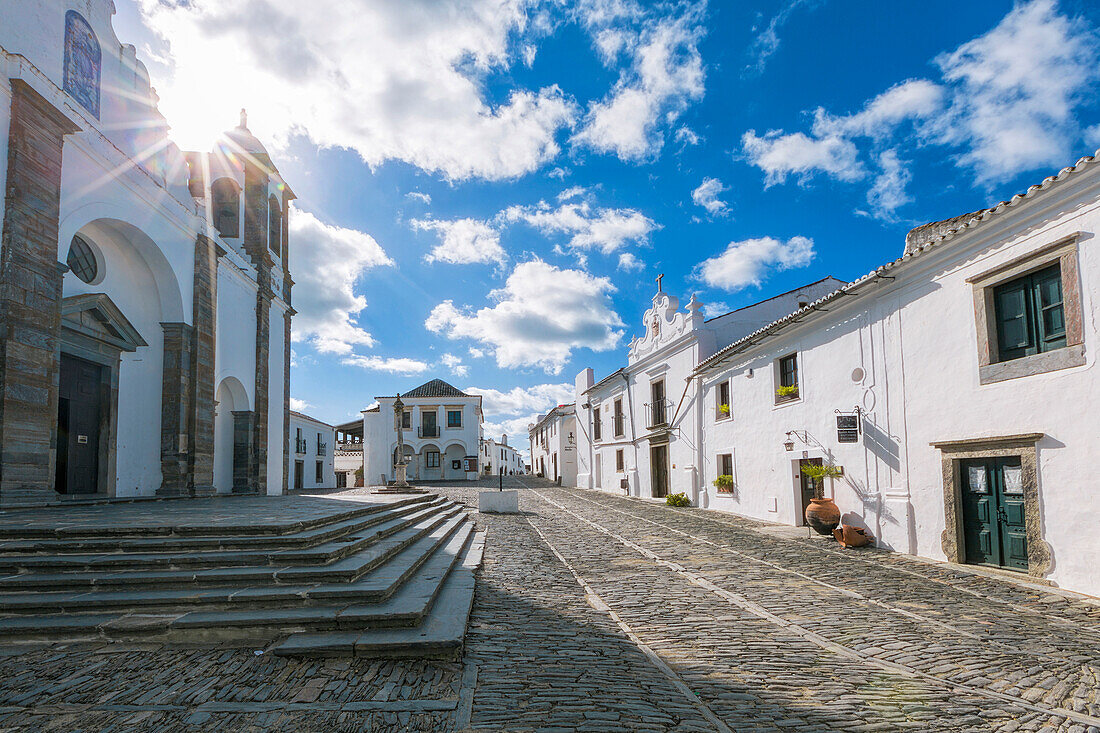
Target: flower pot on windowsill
786,394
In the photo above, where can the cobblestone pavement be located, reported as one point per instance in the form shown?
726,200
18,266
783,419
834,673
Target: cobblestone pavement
598,613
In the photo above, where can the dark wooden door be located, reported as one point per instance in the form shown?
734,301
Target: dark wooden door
299,466
808,485
993,512
658,462
79,416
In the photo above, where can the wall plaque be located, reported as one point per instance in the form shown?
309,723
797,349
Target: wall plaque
847,428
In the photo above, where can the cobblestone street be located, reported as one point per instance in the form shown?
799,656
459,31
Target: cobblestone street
596,612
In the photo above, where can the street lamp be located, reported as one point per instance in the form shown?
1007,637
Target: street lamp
788,444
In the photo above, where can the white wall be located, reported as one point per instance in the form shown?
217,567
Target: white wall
380,439
276,430
312,430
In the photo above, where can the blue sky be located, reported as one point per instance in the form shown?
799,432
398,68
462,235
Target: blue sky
488,188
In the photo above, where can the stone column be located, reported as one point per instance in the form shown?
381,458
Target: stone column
258,473
242,451
176,411
30,298
286,391
205,305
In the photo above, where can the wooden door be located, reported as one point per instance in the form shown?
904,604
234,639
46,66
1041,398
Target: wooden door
79,416
299,467
658,464
807,485
993,512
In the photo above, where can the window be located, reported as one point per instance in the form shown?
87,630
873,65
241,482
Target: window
619,428
406,420
725,468
787,378
722,400
454,418
431,459
596,424
320,472
82,261
274,226
657,410
225,198
1030,314
620,462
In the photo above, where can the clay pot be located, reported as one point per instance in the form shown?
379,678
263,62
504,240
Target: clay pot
849,536
823,515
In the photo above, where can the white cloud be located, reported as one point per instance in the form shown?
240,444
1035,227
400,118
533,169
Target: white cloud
780,155
392,81
299,405
538,318
327,261
687,136
888,191
915,99
400,366
571,193
455,364
1014,91
1092,137
706,195
589,228
476,352
747,262
463,241
629,263
713,310
538,398
665,75
766,42
419,196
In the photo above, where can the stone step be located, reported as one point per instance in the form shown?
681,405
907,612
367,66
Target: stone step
440,634
211,524
277,586
400,596
159,543
168,567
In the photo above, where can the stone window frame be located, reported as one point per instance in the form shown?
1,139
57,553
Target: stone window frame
447,410
1025,446
620,460
777,378
1063,252
718,470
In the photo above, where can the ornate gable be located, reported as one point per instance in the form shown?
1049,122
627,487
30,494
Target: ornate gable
95,316
665,323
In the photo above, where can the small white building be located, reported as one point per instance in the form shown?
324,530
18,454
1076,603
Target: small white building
311,450
497,455
347,458
441,431
639,427
554,445
957,387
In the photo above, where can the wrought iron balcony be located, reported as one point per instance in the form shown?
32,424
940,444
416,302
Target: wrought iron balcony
301,445
431,431
322,448
658,414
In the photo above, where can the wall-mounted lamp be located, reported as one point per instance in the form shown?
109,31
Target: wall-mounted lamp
788,444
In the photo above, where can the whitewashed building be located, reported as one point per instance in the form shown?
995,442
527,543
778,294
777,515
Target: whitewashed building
497,455
145,315
638,429
347,457
554,445
967,368
312,451
441,430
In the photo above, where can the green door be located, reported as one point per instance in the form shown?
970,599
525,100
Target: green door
993,512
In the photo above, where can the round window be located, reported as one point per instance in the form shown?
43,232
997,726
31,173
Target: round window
81,260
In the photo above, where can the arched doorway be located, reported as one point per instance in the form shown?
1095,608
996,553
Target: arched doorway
232,436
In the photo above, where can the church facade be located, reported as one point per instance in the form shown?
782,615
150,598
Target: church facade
144,291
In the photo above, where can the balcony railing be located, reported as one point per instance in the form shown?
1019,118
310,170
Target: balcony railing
322,448
658,414
431,431
300,445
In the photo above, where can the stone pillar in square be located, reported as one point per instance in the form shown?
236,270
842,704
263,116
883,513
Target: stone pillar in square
177,412
30,298
205,303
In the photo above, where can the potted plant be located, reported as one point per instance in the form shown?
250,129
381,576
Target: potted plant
723,411
787,391
724,484
822,514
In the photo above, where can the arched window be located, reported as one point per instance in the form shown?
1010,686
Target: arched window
274,225
227,204
82,261
83,60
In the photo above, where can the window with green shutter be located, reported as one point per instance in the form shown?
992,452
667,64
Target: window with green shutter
1030,314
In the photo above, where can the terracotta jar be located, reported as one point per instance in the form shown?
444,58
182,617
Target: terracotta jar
823,515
